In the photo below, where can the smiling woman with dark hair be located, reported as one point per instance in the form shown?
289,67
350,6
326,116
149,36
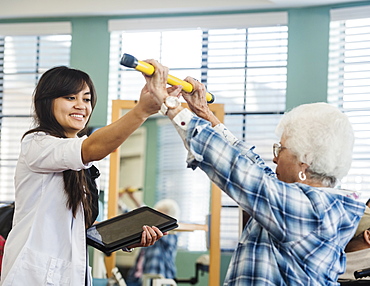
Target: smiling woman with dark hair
56,192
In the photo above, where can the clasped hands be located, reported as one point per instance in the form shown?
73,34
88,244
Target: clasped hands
156,88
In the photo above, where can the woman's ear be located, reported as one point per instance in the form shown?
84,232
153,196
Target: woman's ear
303,167
367,237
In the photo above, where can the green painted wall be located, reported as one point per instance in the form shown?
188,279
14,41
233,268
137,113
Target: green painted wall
90,53
308,45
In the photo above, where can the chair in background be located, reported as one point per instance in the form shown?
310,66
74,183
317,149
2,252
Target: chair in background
163,282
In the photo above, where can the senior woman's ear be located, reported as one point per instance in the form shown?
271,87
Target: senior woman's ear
302,173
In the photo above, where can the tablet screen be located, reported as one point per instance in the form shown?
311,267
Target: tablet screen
125,228
129,226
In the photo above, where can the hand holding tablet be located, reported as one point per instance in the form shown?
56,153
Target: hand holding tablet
126,229
149,236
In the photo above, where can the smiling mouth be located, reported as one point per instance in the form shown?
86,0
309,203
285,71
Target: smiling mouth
77,116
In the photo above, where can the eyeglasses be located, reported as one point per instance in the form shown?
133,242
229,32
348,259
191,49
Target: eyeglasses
276,148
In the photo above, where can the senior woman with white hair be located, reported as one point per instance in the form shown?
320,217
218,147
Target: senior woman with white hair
321,139
299,222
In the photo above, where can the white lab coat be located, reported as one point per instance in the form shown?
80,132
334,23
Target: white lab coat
47,245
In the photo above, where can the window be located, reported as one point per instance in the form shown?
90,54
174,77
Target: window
242,61
26,51
349,86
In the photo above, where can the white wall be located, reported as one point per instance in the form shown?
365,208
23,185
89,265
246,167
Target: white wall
49,8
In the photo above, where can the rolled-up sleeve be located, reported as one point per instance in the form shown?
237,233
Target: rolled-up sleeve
45,153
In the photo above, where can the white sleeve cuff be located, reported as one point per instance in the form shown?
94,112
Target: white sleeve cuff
183,118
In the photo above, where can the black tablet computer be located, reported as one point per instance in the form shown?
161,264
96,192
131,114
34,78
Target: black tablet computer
126,229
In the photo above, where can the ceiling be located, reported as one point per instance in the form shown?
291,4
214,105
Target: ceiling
57,8
305,3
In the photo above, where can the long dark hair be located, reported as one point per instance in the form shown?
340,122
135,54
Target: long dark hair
54,83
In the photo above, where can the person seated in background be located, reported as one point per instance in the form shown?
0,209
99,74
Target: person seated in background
161,258
358,250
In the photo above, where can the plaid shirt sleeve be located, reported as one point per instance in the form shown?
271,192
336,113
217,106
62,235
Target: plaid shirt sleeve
243,175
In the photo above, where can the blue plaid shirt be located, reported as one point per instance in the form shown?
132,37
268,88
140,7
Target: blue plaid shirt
296,234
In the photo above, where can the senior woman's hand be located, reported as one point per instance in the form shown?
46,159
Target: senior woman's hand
197,101
149,236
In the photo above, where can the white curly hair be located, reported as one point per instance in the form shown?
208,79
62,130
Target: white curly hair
169,207
321,136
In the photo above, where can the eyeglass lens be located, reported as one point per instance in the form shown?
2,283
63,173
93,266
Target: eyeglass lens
276,149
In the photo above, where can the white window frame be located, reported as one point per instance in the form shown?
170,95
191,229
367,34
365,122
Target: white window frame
11,135
343,78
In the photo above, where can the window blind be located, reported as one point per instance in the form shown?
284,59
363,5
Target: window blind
243,66
23,58
349,86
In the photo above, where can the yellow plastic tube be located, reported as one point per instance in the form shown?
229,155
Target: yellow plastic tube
146,68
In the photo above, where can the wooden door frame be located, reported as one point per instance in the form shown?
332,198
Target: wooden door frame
215,206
